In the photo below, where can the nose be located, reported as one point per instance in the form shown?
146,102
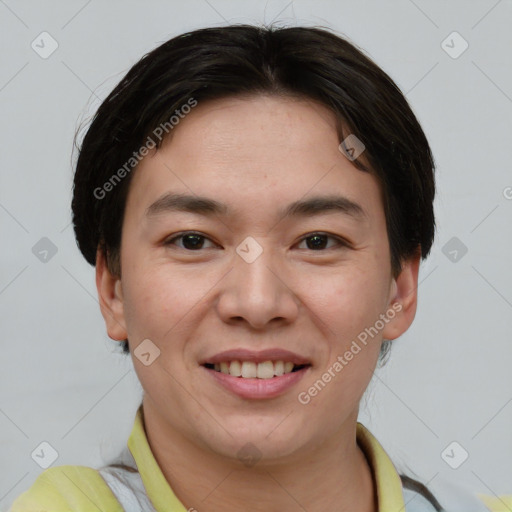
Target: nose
259,293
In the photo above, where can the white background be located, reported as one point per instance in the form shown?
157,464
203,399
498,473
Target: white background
449,377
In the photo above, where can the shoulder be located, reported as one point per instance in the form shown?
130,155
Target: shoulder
126,484
67,489
501,503
449,497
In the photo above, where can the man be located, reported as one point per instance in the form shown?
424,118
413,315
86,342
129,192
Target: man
256,203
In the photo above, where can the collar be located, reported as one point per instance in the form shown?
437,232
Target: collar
385,476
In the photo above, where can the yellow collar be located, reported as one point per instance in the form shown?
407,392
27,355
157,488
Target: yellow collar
385,476
389,486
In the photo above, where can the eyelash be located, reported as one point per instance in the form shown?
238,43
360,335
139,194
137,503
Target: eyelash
340,241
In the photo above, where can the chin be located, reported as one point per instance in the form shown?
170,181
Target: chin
265,440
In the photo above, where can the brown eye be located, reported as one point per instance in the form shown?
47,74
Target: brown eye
190,241
318,241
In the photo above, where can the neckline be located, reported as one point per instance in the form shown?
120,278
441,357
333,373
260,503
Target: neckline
384,474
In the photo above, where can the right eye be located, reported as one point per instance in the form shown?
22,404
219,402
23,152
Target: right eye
191,241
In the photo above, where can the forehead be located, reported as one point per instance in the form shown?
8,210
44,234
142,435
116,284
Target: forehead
259,123
254,152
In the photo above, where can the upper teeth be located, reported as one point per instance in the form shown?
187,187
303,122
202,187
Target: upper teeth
250,370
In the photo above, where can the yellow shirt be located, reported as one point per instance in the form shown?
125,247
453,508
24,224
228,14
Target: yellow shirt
84,489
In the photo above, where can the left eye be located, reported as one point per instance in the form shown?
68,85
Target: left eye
319,241
195,241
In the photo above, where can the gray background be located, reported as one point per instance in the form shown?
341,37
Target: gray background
449,377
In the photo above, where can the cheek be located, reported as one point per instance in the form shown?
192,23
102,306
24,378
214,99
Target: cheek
162,302
153,303
346,300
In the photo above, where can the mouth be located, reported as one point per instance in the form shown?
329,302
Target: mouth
256,375
251,370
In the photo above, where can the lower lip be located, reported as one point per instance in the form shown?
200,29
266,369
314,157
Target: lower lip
258,388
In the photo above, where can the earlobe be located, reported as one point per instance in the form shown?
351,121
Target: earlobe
403,299
111,299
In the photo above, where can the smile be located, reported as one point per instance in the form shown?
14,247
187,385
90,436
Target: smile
251,370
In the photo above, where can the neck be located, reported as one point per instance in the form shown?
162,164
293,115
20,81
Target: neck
332,476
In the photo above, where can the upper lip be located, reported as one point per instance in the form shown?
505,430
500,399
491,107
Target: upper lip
272,354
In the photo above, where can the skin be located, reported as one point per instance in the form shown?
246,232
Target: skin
256,155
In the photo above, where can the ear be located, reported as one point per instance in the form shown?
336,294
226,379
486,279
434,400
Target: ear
403,298
111,299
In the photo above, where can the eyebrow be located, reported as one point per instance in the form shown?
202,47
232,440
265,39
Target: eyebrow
208,207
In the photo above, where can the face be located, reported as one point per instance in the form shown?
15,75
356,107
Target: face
259,279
